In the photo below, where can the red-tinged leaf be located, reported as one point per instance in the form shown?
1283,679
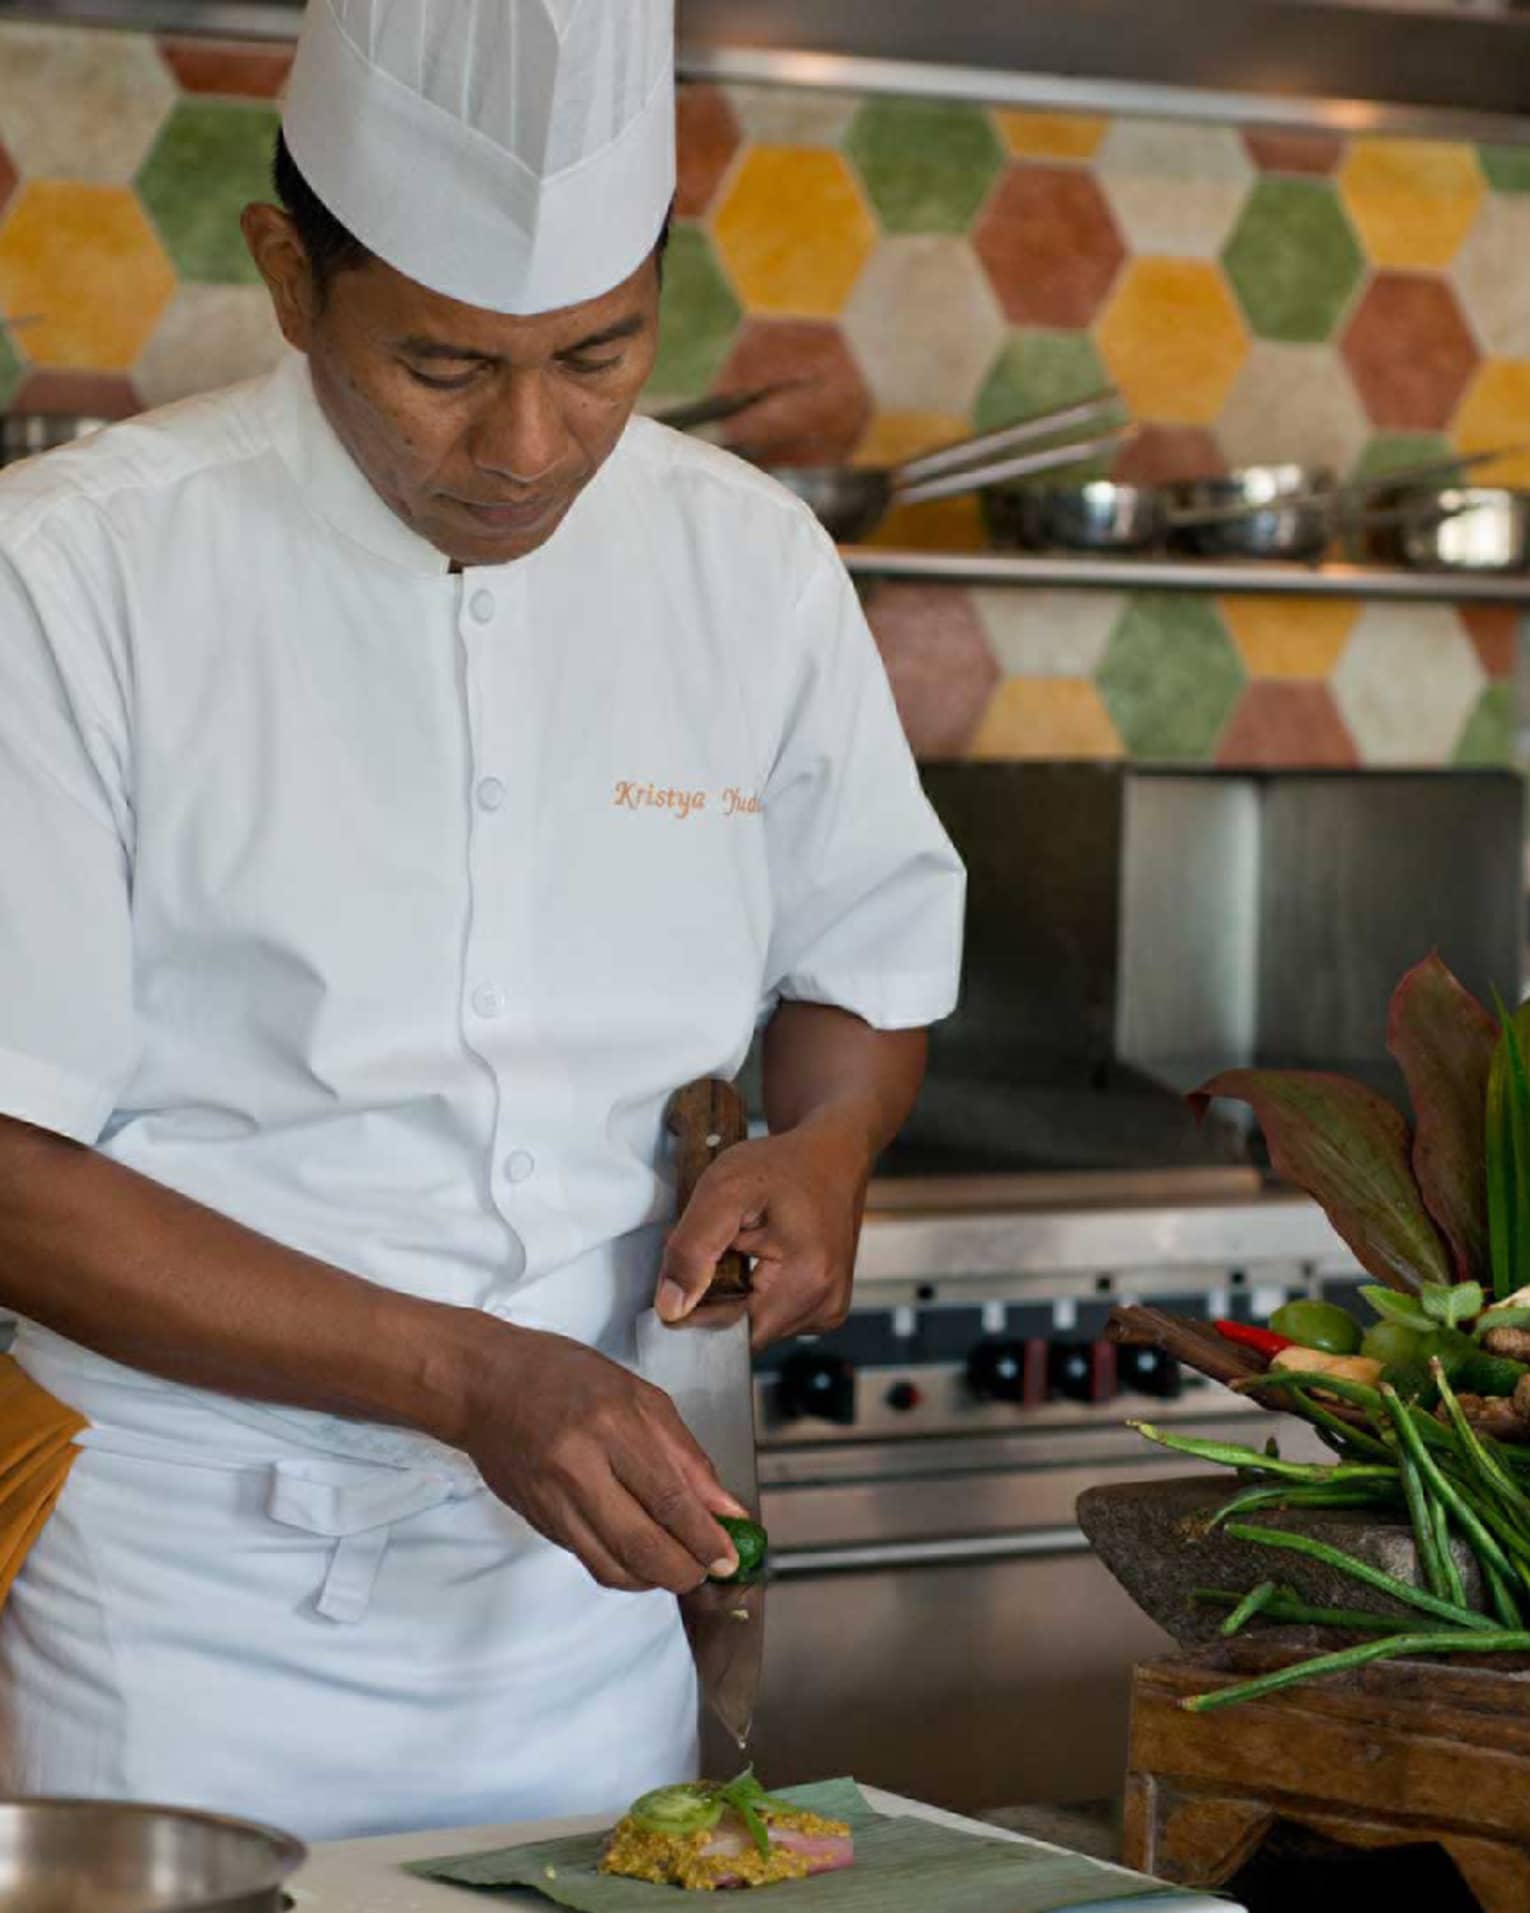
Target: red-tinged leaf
1348,1148
1444,1040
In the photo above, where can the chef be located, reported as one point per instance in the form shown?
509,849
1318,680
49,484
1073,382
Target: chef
413,767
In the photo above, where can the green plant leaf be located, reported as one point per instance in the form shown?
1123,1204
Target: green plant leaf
1349,1149
1452,1305
1443,1040
1509,1151
1404,1309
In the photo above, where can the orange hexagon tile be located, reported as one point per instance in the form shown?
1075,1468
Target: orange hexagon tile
1046,717
793,231
1173,340
1412,201
1049,135
87,261
1496,411
1288,637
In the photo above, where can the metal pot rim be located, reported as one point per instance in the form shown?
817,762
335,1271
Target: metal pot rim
286,1852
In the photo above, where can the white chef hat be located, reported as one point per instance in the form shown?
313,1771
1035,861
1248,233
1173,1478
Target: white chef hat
517,155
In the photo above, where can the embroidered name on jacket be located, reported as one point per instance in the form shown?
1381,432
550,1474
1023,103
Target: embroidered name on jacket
632,794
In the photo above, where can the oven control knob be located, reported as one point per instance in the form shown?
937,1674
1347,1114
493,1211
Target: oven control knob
903,1396
1150,1371
1083,1371
819,1385
996,1371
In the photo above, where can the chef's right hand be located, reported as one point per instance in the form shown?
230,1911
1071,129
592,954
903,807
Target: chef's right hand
598,1461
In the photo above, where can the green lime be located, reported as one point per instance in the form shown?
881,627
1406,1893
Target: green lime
1321,1325
686,1807
1395,1345
751,1545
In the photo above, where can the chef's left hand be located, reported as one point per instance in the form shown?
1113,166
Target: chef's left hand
793,1202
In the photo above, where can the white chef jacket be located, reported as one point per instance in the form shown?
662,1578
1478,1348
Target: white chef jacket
381,907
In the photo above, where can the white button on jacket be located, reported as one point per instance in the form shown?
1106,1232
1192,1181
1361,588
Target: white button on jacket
262,943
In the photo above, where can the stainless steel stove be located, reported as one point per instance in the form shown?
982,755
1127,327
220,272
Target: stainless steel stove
937,1622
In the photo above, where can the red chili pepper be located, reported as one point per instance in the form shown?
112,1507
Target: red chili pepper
1265,1340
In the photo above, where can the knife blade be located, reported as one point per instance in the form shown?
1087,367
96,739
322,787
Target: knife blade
703,1365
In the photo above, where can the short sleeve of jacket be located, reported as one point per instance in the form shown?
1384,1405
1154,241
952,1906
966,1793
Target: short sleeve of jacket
868,892
67,1038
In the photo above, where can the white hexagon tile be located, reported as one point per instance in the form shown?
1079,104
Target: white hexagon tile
1407,683
81,103
1040,634
1492,275
925,324
1293,402
210,336
1175,190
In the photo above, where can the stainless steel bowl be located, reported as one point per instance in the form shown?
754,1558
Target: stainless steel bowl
1461,528
1098,515
106,1856
1263,511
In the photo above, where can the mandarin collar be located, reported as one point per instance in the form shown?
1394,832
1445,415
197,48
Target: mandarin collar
340,492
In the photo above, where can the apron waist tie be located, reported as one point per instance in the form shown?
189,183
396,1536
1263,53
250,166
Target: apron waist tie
318,1498
354,1503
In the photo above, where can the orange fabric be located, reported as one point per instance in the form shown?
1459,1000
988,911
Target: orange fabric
37,1451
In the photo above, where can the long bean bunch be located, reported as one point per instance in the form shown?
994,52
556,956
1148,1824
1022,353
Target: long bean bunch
1454,1485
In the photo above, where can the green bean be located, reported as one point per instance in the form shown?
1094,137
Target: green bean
1436,1480
1355,1441
1252,1602
1232,1455
1455,1587
1500,1595
1359,1571
1357,1393
1425,1539
1481,1455
1285,1606
1496,1640
1285,1495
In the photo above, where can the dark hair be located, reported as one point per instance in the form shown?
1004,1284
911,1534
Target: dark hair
333,247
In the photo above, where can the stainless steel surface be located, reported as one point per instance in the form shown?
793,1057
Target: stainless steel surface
936,1614
1100,515
1459,529
100,1856
703,1366
850,501
1218,576
961,1551
1131,930
28,434
1263,511
969,1256
1443,73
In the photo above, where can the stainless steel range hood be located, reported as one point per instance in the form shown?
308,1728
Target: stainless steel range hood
1404,65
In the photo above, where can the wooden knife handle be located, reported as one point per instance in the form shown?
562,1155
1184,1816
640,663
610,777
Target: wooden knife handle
705,1118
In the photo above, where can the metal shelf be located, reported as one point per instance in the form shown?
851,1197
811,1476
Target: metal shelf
1176,574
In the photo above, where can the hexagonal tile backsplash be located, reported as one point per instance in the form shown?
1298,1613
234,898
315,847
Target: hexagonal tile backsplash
920,268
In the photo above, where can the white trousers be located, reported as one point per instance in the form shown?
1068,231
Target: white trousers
252,1639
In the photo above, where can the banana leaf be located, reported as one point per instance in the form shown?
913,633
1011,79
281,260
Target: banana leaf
1444,1039
1349,1149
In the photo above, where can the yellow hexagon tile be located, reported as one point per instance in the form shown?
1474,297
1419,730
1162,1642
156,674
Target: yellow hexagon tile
1173,340
941,524
1289,637
1050,135
85,260
1046,717
1496,411
1412,201
793,231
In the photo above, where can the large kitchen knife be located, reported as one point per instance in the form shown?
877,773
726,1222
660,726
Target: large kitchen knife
703,1365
